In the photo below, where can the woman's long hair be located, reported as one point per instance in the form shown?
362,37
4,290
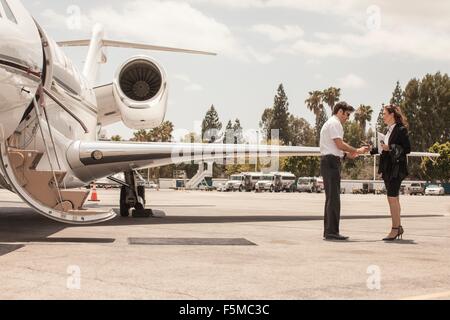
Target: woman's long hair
398,114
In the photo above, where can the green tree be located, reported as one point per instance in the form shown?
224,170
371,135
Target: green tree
281,115
438,169
266,122
363,115
397,96
353,133
331,96
211,126
301,166
141,136
320,121
427,107
381,126
116,138
229,133
162,133
238,134
302,134
315,104
359,168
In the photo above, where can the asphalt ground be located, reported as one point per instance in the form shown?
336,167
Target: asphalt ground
212,245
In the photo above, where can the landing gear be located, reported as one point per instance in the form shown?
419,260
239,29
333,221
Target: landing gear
132,198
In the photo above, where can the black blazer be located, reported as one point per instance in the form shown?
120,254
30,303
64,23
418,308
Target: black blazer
393,163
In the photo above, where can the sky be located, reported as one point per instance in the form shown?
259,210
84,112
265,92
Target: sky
363,47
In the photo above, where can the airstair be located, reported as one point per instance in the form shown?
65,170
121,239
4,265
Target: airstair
205,170
42,186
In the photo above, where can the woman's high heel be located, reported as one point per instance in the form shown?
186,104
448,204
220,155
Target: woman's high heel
398,236
401,232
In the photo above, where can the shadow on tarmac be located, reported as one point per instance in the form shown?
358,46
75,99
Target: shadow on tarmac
22,225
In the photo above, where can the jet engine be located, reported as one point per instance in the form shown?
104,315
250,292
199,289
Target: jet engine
140,91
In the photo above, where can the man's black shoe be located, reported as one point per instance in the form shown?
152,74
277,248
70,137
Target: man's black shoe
337,237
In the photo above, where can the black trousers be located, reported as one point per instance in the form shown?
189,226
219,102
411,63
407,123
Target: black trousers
330,168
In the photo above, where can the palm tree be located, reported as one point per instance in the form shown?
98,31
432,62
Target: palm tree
141,136
314,102
331,96
363,115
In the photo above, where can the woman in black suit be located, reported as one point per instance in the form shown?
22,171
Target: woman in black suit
393,163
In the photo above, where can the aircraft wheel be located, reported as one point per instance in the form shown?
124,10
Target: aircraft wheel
141,192
124,207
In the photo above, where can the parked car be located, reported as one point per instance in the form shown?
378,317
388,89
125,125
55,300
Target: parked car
236,183
382,190
367,188
250,180
417,188
434,189
309,184
403,189
265,183
283,181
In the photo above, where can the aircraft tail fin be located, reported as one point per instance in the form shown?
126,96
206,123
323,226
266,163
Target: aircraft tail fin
96,55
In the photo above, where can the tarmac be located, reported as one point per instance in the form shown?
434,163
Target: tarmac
212,245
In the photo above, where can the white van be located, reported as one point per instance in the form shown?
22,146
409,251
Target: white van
236,183
283,181
265,183
310,184
250,180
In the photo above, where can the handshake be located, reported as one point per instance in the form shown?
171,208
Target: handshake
362,150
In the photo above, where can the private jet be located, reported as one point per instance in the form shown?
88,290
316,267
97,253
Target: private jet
51,115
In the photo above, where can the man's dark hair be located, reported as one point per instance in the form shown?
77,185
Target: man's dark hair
344,106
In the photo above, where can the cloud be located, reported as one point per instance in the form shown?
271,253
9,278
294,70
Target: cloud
351,81
168,23
320,6
190,86
288,32
410,29
263,58
315,49
193,87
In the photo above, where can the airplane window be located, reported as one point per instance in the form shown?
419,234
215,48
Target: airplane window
8,11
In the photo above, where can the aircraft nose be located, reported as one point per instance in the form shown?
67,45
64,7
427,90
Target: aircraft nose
18,82
17,89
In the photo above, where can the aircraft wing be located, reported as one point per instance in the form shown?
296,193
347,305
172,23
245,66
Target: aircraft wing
419,154
131,45
94,160
424,154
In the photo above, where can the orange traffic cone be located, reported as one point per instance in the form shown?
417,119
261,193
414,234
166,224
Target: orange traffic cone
94,197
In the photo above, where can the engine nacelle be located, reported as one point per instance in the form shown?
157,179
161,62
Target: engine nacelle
140,90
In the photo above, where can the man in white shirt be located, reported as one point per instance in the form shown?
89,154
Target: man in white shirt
333,149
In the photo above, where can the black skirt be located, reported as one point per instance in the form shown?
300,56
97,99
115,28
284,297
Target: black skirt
393,187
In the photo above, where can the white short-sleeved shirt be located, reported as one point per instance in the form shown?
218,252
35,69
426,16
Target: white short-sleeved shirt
332,129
